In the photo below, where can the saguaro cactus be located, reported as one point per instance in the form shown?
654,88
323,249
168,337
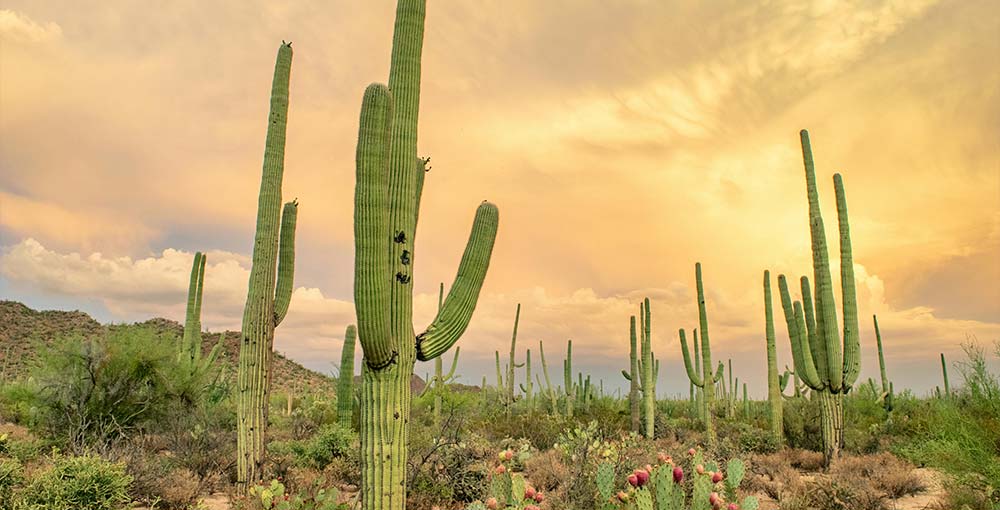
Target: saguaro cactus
885,396
647,372
528,386
345,378
826,364
632,376
568,379
705,379
944,373
440,382
198,370
774,398
390,179
267,299
553,397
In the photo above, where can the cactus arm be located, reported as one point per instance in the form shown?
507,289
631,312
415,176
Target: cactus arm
371,227
944,373
826,312
802,355
456,313
691,370
852,338
454,365
496,355
286,262
192,318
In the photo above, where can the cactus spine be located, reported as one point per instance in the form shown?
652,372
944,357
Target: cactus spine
267,299
390,180
826,364
774,397
345,378
944,372
705,379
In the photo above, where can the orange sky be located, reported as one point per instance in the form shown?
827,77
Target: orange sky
621,144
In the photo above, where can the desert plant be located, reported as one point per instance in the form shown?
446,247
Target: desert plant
78,482
774,397
828,366
390,180
703,379
270,287
345,378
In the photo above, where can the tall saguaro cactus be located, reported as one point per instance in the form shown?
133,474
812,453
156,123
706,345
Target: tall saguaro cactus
647,372
387,198
774,398
345,378
553,397
826,364
270,287
944,373
568,379
633,378
199,371
441,380
705,379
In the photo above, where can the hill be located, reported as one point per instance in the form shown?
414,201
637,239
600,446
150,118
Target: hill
23,330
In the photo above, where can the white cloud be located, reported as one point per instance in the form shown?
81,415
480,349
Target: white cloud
18,27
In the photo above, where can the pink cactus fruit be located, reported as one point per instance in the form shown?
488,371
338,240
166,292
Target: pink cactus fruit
678,474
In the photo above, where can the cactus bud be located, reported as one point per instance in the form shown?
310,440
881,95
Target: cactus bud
691,452
713,498
529,492
700,469
539,497
508,455
500,469
678,474
492,504
622,496
717,477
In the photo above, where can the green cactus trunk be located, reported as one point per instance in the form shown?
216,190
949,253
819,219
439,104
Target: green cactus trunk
511,363
568,379
708,388
553,397
345,379
390,180
881,357
944,373
191,341
648,377
774,398
699,393
633,390
827,363
746,403
267,299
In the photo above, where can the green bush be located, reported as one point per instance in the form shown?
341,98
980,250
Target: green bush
73,483
330,441
11,476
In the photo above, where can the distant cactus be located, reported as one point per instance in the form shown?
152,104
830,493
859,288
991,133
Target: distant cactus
345,378
885,396
703,377
774,384
827,364
632,376
270,287
549,390
647,371
944,373
568,379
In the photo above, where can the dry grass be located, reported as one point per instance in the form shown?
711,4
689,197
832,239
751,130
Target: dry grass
546,471
883,471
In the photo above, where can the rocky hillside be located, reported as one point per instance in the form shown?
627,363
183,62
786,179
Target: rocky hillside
23,330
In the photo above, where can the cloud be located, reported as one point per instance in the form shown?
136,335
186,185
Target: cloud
19,28
598,323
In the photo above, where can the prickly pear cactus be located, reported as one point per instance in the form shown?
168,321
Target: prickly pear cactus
701,492
517,487
476,505
501,487
750,503
606,484
735,470
642,501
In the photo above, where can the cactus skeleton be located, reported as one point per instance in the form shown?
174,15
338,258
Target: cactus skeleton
390,179
270,287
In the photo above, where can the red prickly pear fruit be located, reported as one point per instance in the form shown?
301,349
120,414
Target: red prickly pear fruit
691,452
501,469
713,498
539,497
700,469
642,476
529,492
678,474
622,496
508,455
633,480
492,504
717,477
733,506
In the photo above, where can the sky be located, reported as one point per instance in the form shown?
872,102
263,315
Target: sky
621,142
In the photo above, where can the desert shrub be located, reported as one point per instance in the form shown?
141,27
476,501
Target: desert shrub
329,441
17,443
884,472
963,497
11,477
546,470
773,475
802,424
78,482
95,392
448,464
